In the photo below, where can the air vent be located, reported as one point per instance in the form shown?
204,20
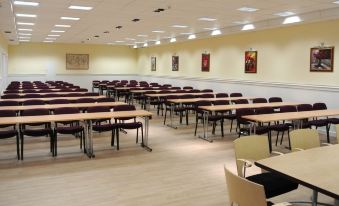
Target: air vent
8,32
135,20
106,32
118,27
159,10
96,36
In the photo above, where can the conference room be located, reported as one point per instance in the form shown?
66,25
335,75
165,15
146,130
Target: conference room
167,102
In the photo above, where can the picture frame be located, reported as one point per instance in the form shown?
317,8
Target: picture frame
251,61
175,63
153,63
321,59
77,61
205,62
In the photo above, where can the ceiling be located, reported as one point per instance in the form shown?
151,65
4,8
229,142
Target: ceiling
106,15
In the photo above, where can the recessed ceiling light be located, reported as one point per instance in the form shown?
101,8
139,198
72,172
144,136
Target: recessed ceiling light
192,36
158,42
336,2
211,29
241,22
285,13
25,34
24,40
247,9
26,3
86,8
173,39
47,41
20,29
130,39
53,35
248,27
62,25
185,33
145,44
139,42
179,26
49,38
24,37
142,35
216,32
292,19
25,23
69,18
118,41
57,31
158,31
207,19
26,15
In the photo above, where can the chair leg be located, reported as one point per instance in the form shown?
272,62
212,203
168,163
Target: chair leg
276,141
136,141
186,116
117,139
113,136
222,127
22,146
231,125
84,140
80,139
196,126
55,143
17,146
328,133
142,135
165,116
289,141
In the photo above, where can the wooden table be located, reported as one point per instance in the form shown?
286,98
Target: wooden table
86,119
316,168
51,98
216,108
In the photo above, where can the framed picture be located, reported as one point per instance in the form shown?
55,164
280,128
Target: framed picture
205,62
251,61
153,63
175,63
77,61
321,59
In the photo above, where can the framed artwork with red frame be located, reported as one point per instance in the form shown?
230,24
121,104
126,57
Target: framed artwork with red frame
153,63
321,59
251,61
175,63
205,62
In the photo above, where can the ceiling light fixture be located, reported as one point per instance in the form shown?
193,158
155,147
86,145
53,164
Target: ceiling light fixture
285,13
24,37
26,15
49,38
24,40
247,9
118,41
86,8
142,35
173,39
336,2
192,36
216,32
20,29
179,26
69,18
292,19
211,29
248,27
207,19
25,23
62,25
47,41
25,34
56,35
158,31
26,3
158,42
130,39
57,31
241,22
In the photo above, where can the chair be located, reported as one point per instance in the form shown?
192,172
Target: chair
9,103
320,122
59,101
31,96
221,95
275,99
259,100
129,125
51,95
243,125
98,125
106,99
207,96
33,102
211,118
10,96
235,95
35,132
69,127
255,148
302,139
187,87
84,100
5,134
301,108
207,90
244,192
240,101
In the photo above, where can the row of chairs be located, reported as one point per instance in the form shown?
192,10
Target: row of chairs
48,90
68,127
49,95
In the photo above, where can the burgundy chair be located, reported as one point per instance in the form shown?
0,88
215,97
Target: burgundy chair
259,100
187,87
129,125
100,126
195,91
302,108
320,122
106,99
11,92
31,96
36,132
221,95
9,133
59,101
207,90
244,125
168,104
33,102
10,96
207,96
9,103
91,94
69,127
50,95
275,99
84,100
83,90
240,101
235,95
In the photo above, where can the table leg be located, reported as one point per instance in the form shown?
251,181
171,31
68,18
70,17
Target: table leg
205,128
171,117
145,140
88,137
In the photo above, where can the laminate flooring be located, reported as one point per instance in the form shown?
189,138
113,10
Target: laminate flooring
181,170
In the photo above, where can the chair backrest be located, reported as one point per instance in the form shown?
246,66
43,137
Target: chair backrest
187,87
259,100
235,95
244,192
10,96
33,102
51,95
124,108
304,107
319,106
35,112
9,103
59,101
92,94
220,95
207,90
304,139
85,100
32,96
66,110
221,102
207,96
7,113
254,147
288,108
98,109
275,99
240,101
106,99
264,110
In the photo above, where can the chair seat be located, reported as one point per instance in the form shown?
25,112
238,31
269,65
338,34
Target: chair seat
333,120
36,132
104,127
7,125
8,134
318,122
130,125
69,130
273,184
280,127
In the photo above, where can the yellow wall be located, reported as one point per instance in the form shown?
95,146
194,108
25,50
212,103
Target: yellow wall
283,55
37,58
3,45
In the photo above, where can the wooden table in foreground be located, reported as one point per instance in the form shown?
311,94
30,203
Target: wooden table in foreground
216,108
317,168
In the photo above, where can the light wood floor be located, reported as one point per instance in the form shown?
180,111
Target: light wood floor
181,170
